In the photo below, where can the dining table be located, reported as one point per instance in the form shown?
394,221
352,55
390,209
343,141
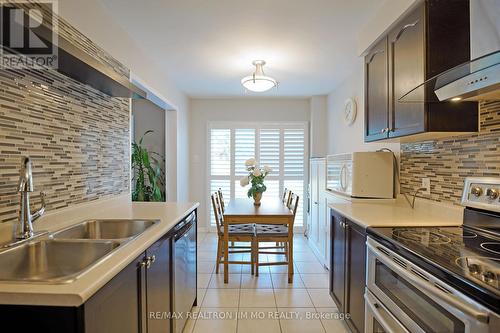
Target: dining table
270,211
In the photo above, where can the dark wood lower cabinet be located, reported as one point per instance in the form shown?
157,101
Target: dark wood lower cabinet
116,306
348,269
337,272
158,275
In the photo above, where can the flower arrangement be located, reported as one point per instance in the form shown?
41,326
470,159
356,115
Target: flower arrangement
256,176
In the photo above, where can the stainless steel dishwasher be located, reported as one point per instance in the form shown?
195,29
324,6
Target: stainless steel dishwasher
184,293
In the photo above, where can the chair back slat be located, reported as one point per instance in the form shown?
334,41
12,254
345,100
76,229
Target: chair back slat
286,197
293,204
217,212
221,200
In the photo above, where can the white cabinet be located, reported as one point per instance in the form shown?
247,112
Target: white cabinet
318,211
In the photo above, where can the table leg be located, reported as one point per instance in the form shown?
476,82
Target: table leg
226,252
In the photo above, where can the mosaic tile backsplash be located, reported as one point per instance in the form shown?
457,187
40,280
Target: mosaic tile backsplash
77,137
448,161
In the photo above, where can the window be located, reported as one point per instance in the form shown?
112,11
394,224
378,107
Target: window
282,146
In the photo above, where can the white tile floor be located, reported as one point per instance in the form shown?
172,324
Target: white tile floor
263,304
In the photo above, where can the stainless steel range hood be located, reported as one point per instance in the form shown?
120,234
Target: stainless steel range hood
478,79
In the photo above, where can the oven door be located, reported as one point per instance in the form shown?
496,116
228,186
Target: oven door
419,301
378,319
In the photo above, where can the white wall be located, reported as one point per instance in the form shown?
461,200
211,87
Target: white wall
237,109
341,137
318,145
90,18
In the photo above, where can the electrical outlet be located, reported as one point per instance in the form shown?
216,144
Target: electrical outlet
426,185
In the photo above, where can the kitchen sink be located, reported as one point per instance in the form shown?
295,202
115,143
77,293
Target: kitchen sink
52,261
104,229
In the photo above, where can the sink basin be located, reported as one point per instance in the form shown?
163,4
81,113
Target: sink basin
52,261
104,229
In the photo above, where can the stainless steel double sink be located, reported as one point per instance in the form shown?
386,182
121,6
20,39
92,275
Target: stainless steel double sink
65,255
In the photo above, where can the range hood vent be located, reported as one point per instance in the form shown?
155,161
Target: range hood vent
478,79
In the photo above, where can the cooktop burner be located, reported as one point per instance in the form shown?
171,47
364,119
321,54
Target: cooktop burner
422,236
465,233
493,247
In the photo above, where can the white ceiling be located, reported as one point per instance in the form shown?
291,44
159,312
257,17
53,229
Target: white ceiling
206,46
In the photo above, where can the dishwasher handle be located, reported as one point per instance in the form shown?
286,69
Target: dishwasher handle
184,230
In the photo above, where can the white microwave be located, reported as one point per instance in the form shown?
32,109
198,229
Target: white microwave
361,174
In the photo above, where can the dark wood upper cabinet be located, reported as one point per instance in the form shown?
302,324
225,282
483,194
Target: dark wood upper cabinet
348,270
407,70
430,39
376,92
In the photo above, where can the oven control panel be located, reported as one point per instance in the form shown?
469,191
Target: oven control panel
482,193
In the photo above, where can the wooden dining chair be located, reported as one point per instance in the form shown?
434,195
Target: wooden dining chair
222,204
237,233
287,195
221,199
277,233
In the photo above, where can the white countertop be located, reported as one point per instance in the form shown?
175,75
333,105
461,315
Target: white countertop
389,213
78,291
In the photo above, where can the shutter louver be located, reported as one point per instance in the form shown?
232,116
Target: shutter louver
244,148
220,152
270,149
294,152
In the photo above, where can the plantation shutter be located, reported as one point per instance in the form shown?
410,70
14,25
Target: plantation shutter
294,160
280,146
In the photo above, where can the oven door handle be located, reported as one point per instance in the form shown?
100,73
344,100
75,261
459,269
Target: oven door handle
375,310
429,288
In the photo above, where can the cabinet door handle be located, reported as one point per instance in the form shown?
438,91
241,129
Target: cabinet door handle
384,130
149,260
403,29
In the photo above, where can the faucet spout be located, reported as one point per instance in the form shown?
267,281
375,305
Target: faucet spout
24,227
25,176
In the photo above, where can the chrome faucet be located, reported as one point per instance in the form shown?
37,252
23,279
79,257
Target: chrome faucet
24,228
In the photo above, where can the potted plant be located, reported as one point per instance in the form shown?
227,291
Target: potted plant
147,173
256,176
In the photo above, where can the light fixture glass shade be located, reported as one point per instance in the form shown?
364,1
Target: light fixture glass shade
258,82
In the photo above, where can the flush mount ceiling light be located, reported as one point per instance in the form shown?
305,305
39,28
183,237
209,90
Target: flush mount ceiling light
258,81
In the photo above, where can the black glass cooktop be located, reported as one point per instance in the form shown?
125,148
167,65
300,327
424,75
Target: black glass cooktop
465,257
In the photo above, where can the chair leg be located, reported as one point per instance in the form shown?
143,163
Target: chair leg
217,261
290,260
256,258
286,251
252,258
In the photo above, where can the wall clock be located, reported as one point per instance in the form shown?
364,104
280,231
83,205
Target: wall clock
350,111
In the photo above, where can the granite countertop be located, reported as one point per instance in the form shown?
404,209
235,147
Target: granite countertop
80,290
389,213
